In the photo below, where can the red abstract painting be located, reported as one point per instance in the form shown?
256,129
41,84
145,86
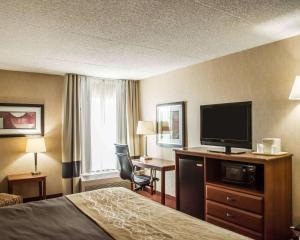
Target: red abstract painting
18,120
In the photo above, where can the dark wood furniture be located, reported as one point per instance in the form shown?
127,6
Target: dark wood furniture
159,165
264,212
25,178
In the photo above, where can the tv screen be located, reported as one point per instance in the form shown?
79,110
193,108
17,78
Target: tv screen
227,125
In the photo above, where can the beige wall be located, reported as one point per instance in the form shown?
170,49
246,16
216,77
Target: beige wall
263,75
19,87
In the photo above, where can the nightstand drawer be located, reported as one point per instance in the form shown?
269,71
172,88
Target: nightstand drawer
235,199
234,215
235,228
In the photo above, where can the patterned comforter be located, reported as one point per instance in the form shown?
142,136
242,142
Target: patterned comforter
125,215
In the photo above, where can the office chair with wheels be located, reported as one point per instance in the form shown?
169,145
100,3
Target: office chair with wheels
127,171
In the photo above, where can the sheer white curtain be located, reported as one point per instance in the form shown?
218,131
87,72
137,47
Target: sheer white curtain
104,108
103,124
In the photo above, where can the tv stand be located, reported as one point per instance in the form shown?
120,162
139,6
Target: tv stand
253,211
227,151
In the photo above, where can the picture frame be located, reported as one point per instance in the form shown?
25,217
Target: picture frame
170,125
21,120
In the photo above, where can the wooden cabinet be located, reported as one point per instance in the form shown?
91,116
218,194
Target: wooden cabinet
260,212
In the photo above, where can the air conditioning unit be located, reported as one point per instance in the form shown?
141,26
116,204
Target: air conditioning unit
102,179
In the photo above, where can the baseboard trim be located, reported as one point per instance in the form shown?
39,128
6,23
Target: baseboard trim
32,199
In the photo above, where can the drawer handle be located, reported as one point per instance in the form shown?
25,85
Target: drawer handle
229,215
229,199
199,165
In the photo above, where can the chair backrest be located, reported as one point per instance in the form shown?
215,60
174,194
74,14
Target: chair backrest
122,153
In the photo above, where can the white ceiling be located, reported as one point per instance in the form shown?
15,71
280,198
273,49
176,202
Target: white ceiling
135,39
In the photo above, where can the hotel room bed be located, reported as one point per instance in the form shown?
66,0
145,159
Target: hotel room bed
113,213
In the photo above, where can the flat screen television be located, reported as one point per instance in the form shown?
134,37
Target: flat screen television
228,125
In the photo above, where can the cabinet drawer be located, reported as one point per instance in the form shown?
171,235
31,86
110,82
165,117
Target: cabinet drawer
233,227
236,199
234,215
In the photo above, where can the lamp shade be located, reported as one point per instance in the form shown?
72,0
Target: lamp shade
145,128
295,93
35,145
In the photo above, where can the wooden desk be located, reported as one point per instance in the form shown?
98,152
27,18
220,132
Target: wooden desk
28,177
160,165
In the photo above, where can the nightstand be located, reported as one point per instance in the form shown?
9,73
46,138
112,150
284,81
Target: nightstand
26,178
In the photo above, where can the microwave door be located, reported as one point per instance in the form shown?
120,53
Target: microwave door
235,174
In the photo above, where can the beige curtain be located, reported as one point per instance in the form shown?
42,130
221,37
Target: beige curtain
71,145
133,116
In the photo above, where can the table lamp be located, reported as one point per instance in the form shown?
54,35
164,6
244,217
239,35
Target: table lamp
145,128
295,93
35,145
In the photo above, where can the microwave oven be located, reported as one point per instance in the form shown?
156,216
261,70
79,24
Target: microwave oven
238,173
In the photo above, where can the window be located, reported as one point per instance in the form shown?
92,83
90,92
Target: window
103,125
102,122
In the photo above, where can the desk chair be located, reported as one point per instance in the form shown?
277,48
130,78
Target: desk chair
128,170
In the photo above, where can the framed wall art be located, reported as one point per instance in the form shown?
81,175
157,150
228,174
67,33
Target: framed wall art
19,120
170,124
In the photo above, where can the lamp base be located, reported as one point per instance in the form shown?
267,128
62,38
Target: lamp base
145,158
35,173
